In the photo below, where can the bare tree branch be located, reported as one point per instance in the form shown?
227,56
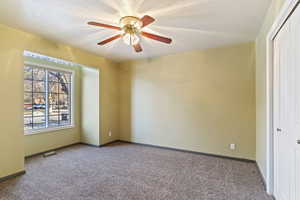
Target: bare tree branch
62,80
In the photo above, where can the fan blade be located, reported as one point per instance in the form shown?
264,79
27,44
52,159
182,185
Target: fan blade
104,25
147,20
110,39
156,37
137,48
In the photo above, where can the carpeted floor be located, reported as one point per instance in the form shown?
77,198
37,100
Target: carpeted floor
132,172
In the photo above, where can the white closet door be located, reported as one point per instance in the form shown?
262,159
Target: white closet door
287,110
295,103
282,150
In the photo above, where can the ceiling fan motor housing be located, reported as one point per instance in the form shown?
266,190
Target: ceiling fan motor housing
131,27
132,22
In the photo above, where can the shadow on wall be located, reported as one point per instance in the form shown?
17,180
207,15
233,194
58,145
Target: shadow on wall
126,104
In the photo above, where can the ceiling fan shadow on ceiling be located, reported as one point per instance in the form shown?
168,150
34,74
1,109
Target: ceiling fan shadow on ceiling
131,31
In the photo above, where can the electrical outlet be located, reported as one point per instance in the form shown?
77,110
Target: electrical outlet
232,146
109,133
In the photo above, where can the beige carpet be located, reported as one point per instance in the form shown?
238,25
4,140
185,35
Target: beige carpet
133,172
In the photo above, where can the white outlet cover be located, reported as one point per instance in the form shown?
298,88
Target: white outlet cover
109,134
232,146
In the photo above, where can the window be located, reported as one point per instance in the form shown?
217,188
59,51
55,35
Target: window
47,98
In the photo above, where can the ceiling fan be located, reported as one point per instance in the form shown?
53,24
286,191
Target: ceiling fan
131,30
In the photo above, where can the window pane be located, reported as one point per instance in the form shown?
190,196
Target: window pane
28,72
65,119
27,86
53,109
39,86
27,123
64,109
65,77
39,109
53,120
39,122
53,98
27,110
53,76
39,98
63,99
53,87
28,120
39,74
64,88
27,98
27,127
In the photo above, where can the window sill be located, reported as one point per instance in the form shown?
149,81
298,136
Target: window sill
46,130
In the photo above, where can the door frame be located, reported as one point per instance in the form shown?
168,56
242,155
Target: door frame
287,9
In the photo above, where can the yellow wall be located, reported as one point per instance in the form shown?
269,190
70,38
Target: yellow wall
261,122
13,43
200,101
11,117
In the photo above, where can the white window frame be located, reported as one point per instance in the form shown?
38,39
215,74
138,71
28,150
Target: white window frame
50,129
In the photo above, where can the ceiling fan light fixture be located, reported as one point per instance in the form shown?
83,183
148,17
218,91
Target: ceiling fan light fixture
131,27
131,39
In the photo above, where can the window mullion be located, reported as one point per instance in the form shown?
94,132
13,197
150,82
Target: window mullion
47,100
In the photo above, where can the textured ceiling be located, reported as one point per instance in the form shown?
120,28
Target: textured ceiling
192,24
